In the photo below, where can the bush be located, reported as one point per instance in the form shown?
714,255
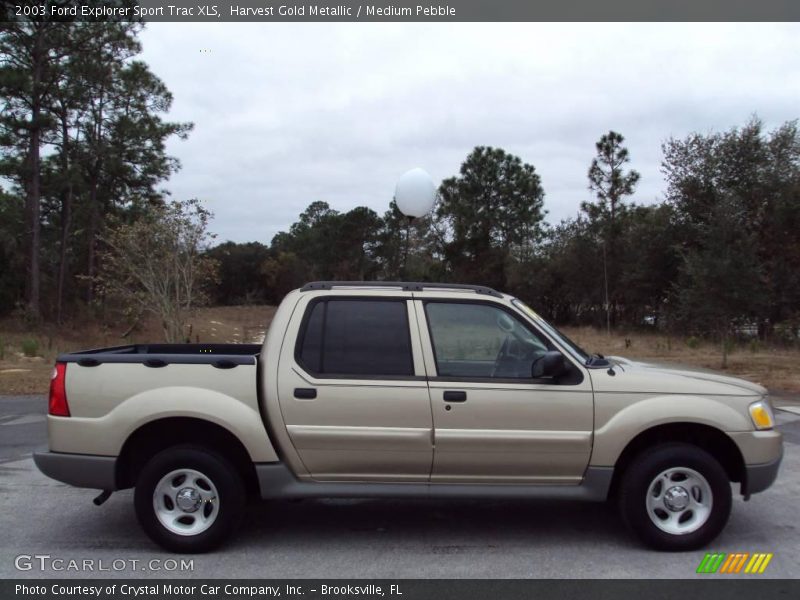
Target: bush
30,348
693,342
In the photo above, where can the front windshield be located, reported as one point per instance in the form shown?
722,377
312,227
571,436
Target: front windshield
576,350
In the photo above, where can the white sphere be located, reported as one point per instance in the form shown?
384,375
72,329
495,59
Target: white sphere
415,193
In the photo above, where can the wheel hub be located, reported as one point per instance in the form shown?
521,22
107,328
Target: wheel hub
676,498
188,499
679,500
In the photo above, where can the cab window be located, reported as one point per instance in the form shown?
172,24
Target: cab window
361,338
481,340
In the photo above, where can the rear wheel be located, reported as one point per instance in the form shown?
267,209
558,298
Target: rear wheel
675,497
189,499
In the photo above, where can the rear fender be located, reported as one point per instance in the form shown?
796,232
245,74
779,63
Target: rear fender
106,435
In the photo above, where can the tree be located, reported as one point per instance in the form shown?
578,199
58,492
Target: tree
649,261
486,213
756,174
158,263
356,244
407,249
124,142
610,183
720,281
32,54
332,245
241,279
81,136
12,279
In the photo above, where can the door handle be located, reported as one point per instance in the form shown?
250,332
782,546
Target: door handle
450,396
305,393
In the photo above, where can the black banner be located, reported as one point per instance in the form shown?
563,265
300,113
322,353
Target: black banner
733,588
405,10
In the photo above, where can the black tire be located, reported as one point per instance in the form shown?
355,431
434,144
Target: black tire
230,498
643,471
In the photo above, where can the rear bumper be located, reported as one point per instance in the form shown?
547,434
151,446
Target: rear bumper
80,470
757,478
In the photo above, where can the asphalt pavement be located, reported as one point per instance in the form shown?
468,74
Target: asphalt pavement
40,518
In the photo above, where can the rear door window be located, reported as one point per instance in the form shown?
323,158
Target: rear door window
361,338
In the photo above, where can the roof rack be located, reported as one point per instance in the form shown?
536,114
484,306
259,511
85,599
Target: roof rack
406,286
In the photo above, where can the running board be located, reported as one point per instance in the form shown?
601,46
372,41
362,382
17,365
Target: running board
276,481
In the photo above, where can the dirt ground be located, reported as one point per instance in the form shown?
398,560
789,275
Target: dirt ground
776,368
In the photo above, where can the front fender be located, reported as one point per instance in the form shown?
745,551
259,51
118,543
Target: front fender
614,433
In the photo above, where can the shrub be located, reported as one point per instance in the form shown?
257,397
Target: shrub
693,342
30,348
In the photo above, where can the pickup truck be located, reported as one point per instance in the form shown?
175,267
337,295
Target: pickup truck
395,389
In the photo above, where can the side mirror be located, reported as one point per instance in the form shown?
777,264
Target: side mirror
552,365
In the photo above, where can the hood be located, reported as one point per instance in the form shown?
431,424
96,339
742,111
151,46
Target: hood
673,378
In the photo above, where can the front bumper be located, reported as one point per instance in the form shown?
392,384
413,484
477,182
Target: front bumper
80,470
762,452
757,478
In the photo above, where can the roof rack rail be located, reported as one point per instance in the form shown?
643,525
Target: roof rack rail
406,286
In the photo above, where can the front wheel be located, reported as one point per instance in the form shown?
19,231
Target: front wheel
675,497
189,499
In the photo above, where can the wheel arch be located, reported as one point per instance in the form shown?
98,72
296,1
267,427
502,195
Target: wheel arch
712,440
160,434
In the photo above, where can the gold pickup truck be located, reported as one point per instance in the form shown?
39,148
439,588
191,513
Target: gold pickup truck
405,390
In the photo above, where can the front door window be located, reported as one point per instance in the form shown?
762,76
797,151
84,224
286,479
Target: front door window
480,340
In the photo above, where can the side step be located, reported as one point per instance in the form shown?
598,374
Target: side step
275,480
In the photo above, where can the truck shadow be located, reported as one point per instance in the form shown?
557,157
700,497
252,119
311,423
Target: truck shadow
450,526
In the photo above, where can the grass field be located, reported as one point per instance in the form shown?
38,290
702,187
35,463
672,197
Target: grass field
776,368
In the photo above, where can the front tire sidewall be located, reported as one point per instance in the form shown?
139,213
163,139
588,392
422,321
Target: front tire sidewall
636,483
231,498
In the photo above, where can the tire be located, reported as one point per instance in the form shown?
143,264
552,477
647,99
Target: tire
189,499
675,497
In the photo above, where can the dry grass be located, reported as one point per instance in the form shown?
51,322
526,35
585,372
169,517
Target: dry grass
19,374
775,368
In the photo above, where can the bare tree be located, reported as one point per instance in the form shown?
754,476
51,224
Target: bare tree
157,264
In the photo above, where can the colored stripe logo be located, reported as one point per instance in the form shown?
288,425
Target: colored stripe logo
734,563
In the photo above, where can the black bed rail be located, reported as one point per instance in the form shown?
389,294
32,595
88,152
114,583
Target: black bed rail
222,356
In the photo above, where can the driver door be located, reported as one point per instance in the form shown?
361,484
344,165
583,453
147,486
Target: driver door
492,422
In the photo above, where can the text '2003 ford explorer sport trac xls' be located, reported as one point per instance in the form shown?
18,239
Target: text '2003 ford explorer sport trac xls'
405,390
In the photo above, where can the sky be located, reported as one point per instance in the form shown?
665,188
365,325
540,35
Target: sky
286,114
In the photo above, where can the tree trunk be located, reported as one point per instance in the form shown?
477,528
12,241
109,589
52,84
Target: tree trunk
33,224
608,304
94,218
724,349
66,210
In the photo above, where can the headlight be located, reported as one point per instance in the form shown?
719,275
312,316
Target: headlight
761,414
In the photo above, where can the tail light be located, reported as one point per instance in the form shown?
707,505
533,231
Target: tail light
58,391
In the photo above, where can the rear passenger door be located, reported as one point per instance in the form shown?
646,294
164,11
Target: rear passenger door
352,389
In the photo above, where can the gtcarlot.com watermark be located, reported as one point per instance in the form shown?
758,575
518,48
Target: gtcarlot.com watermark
47,562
